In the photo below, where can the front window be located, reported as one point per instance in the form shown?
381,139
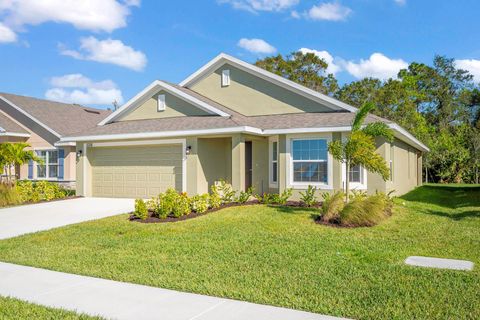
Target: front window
356,174
310,161
274,166
49,168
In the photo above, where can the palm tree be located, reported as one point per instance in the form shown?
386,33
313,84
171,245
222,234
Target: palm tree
360,149
14,155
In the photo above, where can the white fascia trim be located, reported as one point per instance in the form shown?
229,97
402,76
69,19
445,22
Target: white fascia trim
403,134
136,143
160,85
65,144
268,76
166,134
15,134
307,130
30,116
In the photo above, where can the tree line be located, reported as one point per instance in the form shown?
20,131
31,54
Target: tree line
438,103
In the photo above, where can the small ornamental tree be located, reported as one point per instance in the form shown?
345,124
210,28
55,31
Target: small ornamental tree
14,155
360,149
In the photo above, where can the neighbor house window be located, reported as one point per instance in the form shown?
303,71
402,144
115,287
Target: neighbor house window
356,174
310,161
49,168
274,164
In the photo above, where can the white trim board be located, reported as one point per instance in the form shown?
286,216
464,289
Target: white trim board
154,87
15,134
30,117
223,58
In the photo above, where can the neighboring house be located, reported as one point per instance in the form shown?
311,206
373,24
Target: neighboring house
42,124
231,120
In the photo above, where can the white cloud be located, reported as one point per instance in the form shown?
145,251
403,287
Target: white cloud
256,46
294,14
377,66
108,51
325,55
471,65
76,88
261,5
330,11
401,2
7,34
94,15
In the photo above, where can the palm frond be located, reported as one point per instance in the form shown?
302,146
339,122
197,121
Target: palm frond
361,115
379,129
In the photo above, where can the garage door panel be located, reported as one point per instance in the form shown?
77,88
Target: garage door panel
138,172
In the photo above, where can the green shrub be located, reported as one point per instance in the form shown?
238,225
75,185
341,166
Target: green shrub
215,198
9,196
266,198
332,205
182,205
40,191
226,192
244,196
283,197
141,210
366,211
200,203
308,197
166,203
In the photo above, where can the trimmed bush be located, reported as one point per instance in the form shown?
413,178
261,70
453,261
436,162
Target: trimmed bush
166,203
141,210
308,197
332,205
215,198
9,196
182,205
40,191
200,203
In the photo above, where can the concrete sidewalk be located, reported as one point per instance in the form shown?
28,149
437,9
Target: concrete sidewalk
119,300
20,220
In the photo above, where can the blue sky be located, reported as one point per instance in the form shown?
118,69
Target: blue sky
103,50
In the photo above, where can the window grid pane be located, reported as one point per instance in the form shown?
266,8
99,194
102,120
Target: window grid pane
355,174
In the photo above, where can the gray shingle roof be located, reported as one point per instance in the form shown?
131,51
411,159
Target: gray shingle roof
10,126
65,119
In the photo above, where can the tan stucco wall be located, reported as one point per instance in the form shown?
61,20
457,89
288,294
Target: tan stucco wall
175,107
251,95
214,162
406,167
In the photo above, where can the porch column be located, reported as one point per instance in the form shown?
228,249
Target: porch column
238,162
282,163
192,166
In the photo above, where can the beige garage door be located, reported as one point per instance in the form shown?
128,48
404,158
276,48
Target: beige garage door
135,172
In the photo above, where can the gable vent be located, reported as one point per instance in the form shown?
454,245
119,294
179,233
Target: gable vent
225,78
161,102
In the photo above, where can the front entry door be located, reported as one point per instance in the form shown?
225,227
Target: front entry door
248,164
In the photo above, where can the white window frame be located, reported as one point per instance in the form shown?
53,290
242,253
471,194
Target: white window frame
225,77
161,104
304,185
46,164
355,185
392,163
271,140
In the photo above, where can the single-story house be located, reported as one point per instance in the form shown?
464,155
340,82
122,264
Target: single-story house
234,121
42,124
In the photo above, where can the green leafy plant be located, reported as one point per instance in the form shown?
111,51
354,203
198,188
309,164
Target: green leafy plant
40,191
308,197
141,210
283,197
182,205
244,196
226,192
266,198
366,211
12,155
165,202
200,203
331,206
215,198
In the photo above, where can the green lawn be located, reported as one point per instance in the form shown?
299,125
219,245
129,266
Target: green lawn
281,257
16,309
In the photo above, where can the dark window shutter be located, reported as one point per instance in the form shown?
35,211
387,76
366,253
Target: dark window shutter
61,158
30,169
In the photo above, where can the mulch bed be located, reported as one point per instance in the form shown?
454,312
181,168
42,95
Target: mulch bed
152,219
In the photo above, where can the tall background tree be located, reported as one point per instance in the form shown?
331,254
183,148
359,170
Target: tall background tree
437,103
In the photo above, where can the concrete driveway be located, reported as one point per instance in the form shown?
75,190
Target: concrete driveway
19,220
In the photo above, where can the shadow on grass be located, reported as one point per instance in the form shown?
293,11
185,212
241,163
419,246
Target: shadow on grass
448,195
453,198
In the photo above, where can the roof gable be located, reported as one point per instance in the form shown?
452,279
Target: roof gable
154,88
223,58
